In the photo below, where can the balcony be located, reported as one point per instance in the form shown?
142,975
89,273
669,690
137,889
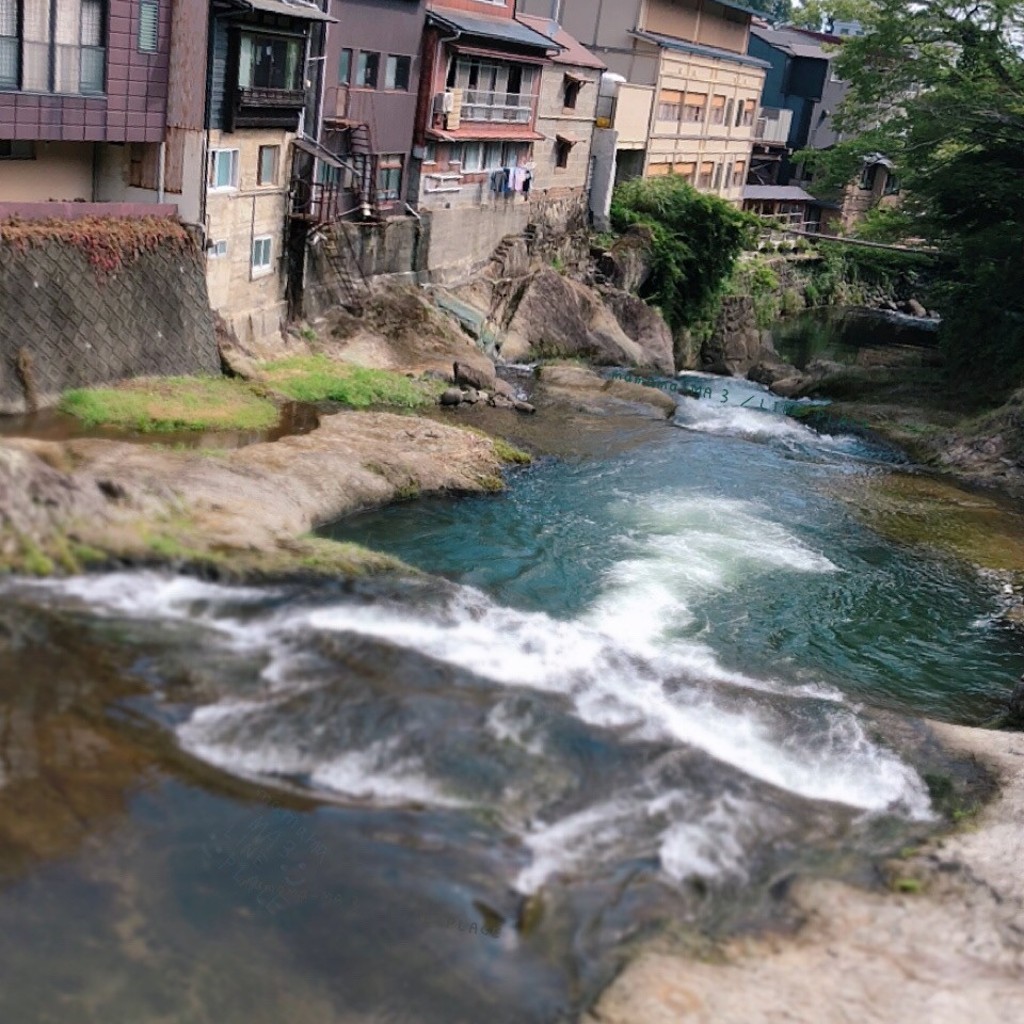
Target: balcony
260,107
773,125
497,107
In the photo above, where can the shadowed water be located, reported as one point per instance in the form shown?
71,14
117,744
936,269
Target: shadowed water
636,701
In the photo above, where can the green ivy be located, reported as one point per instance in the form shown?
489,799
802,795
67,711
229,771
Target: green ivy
696,240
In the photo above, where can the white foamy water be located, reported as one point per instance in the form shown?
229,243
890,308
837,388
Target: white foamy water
709,417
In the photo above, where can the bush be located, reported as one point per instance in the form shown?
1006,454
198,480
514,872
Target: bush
696,240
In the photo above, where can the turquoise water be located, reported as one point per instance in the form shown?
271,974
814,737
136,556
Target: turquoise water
647,690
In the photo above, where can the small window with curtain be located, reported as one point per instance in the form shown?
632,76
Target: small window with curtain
717,109
686,171
367,70
345,68
659,170
707,173
268,160
149,26
670,104
397,73
739,174
10,45
389,177
694,106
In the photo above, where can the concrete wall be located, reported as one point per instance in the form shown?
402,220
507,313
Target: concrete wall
602,183
633,115
74,328
61,171
253,302
461,245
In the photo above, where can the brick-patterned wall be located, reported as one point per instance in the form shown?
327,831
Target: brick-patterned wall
79,329
134,108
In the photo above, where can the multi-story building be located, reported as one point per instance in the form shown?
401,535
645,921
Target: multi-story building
705,87
371,84
85,95
566,114
258,82
477,125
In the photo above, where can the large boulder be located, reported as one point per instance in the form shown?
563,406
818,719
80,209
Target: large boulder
737,344
559,318
645,325
627,264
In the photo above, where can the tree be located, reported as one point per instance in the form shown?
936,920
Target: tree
938,86
773,10
816,14
696,239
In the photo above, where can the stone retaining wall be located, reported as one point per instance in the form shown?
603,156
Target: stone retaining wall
65,324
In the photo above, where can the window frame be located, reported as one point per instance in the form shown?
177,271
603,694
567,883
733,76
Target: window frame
216,252
563,153
261,269
211,175
361,68
398,58
386,164
345,65
260,181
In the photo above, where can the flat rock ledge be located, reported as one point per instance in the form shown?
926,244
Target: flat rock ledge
134,500
949,952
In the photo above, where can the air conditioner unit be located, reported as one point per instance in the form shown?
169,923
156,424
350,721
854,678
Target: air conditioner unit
444,102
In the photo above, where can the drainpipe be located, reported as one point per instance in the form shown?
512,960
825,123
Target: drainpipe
161,173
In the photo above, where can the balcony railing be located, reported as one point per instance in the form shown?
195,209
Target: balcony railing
274,98
773,124
500,107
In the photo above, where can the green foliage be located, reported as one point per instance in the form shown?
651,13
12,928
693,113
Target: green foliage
774,10
888,224
318,378
938,86
697,239
172,403
753,275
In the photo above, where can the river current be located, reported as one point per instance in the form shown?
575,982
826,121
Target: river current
635,692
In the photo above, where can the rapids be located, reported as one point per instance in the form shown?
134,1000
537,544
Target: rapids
635,692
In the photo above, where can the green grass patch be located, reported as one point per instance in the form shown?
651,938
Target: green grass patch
154,404
318,378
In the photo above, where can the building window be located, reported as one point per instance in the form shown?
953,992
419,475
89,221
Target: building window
695,105
745,112
397,72
270,62
389,177
218,250
562,151
670,105
572,87
739,174
345,68
149,25
685,171
367,68
707,174
430,153
493,90
473,156
718,110
10,45
717,184
54,48
13,150
223,173
262,251
266,173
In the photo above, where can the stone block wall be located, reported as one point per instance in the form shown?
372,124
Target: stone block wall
67,325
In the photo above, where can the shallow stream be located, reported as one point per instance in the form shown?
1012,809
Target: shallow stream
641,691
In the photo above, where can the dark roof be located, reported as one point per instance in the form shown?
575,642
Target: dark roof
573,51
293,8
791,42
671,43
504,30
779,193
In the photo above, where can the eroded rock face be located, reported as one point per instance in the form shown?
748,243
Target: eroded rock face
627,265
644,325
556,317
737,344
